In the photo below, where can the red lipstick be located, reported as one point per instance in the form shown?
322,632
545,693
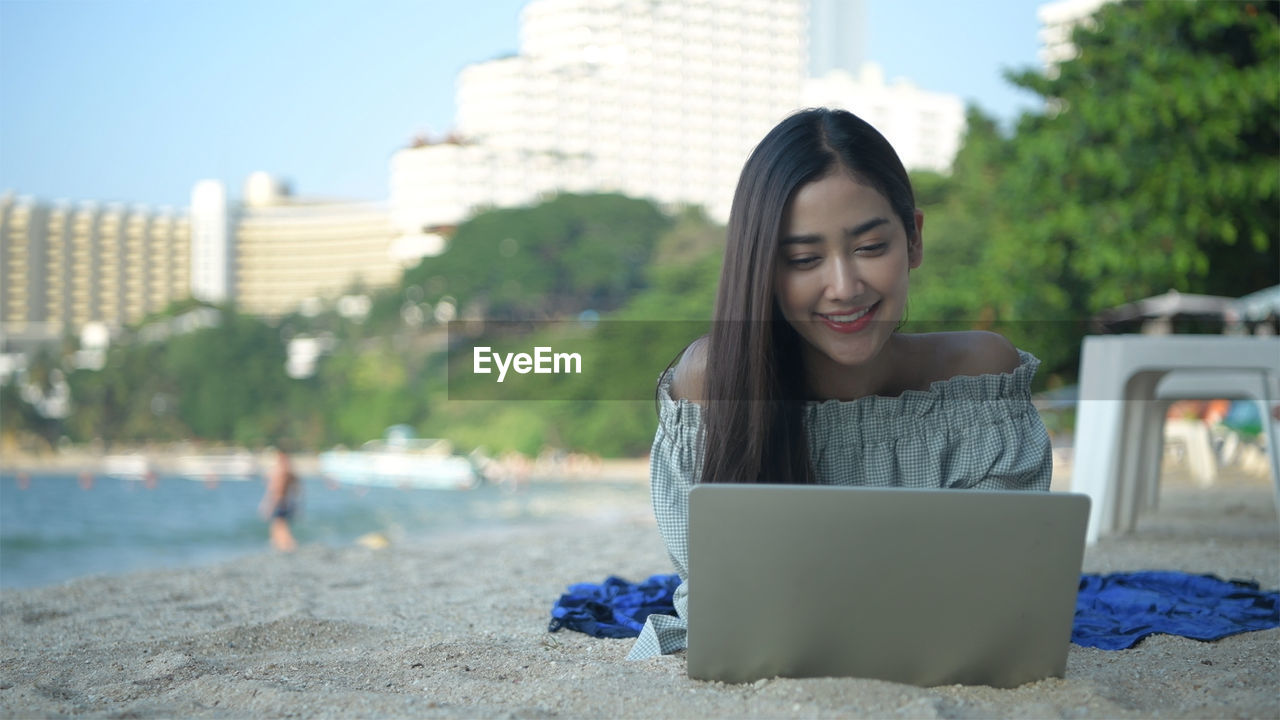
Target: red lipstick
854,326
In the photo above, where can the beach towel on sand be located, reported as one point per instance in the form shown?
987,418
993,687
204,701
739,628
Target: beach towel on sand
616,608
1113,612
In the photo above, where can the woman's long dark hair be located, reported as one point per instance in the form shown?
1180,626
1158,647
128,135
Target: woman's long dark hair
754,377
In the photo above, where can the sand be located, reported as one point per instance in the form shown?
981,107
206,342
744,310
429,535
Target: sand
457,628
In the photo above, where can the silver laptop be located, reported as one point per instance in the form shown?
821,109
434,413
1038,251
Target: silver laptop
928,587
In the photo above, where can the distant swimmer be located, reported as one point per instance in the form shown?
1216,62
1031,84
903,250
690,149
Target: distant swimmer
280,502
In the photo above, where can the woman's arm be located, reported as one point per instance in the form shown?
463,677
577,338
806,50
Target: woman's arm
687,382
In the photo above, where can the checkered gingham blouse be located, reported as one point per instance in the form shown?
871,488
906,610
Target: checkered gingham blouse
966,432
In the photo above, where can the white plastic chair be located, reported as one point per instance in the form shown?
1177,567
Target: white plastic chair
1120,417
1195,434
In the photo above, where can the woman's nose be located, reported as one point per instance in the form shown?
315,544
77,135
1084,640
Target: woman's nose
843,281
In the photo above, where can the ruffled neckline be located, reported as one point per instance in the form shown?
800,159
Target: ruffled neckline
1012,385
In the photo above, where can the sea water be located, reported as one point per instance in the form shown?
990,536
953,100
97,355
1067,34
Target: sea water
58,526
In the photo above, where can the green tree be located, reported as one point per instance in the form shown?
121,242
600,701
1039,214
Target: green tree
21,425
624,353
953,287
568,254
230,380
364,389
1155,166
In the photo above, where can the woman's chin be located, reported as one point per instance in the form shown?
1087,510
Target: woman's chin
848,354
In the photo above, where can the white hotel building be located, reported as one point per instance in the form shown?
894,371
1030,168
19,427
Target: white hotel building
662,100
1057,21
924,127
67,266
272,252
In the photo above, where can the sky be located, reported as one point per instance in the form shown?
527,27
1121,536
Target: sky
135,100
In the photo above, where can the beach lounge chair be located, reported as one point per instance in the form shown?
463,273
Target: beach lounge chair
1126,384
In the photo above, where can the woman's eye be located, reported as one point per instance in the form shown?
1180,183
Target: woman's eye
802,260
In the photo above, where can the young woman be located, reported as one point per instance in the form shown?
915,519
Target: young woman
804,377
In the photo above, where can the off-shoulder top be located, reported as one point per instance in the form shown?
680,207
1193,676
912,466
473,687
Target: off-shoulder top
966,432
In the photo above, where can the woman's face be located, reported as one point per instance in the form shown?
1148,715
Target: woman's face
841,277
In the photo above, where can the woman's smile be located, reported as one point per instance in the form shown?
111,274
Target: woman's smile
852,321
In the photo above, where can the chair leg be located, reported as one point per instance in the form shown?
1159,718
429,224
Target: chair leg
1202,463
1137,442
1095,459
1271,431
1229,449
1153,443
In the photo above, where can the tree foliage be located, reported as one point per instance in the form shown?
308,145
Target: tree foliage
1154,165
608,410
963,214
230,380
1157,162
569,254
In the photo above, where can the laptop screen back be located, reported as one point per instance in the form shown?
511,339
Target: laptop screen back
928,587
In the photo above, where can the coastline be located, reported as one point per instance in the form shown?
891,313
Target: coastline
457,628
169,460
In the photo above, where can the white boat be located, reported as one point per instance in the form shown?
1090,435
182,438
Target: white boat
129,467
402,461
233,465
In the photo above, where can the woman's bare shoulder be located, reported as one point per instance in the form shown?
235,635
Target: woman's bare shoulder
688,381
946,355
978,352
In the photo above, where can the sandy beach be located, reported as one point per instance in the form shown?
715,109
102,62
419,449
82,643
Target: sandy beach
457,628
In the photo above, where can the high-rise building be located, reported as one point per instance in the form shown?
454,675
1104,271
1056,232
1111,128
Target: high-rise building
662,99
651,98
837,36
212,253
925,128
282,250
64,266
435,185
1057,21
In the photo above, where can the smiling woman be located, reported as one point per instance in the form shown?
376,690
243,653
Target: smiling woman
843,268
805,377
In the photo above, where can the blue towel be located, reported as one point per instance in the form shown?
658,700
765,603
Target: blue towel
1113,612
616,608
